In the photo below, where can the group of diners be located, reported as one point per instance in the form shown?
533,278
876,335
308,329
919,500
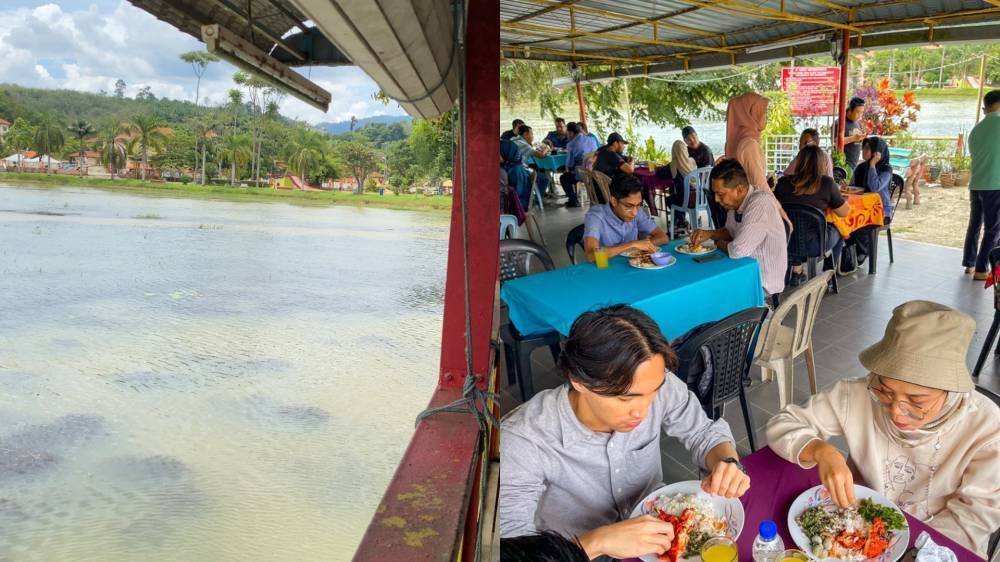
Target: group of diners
576,459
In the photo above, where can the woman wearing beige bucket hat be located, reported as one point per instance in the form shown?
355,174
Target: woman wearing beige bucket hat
915,428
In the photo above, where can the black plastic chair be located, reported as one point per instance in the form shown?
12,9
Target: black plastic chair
991,335
808,222
839,174
574,239
515,260
895,194
730,342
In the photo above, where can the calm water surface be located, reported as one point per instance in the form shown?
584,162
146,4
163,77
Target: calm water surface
230,381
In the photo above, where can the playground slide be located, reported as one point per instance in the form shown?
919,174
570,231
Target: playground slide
296,182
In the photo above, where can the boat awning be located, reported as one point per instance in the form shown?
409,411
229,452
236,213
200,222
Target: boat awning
406,46
666,36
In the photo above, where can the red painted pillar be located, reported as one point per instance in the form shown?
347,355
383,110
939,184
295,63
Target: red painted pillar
579,99
481,119
842,105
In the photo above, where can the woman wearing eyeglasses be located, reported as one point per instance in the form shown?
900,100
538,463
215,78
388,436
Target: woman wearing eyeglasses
915,428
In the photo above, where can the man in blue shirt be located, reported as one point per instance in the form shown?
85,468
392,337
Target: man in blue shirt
585,131
579,146
558,138
616,226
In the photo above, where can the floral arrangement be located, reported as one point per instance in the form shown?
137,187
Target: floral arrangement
885,113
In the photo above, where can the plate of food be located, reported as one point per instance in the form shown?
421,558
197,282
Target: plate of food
695,515
656,260
851,190
874,530
696,249
636,252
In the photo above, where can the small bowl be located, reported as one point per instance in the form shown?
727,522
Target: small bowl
662,258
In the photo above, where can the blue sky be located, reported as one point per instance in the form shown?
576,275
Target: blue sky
87,45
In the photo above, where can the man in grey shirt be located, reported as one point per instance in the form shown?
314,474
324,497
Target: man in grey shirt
578,458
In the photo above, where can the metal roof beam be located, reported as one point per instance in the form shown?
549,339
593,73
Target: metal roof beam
557,32
738,8
658,20
875,41
581,56
555,5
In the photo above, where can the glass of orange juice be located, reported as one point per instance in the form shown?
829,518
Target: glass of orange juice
718,549
601,258
793,555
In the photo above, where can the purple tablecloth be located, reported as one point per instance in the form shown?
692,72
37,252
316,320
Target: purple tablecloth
651,184
774,485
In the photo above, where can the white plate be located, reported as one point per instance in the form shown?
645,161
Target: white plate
819,495
709,244
634,261
730,508
633,252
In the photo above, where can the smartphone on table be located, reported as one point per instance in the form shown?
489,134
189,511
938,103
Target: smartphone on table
708,257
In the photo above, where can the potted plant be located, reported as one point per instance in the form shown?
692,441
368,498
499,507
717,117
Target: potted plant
961,165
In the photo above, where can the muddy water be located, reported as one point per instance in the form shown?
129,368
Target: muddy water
206,380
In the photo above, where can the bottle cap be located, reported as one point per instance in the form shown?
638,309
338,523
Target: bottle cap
768,530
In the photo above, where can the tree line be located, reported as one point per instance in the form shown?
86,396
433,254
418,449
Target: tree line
245,140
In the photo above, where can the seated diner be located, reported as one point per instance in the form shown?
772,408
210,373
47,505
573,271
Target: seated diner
754,227
916,429
576,459
617,225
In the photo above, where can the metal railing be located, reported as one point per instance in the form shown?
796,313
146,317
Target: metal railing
779,150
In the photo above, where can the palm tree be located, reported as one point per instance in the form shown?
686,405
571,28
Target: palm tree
236,151
49,138
111,143
147,129
305,148
81,129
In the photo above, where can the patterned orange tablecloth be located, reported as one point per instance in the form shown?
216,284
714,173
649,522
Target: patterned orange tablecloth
866,210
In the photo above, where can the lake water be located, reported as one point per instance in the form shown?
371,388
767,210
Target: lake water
227,382
936,118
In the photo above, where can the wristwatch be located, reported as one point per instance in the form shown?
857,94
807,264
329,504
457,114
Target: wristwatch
739,465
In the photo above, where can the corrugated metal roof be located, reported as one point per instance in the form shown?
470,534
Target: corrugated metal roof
644,32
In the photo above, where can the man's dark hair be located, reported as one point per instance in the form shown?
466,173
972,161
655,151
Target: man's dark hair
991,97
687,132
573,128
730,172
623,185
813,134
605,347
515,124
546,546
522,129
583,126
560,120
855,102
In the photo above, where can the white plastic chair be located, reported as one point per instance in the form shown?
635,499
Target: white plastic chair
782,344
508,227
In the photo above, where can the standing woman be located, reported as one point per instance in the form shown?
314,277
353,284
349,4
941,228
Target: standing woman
746,118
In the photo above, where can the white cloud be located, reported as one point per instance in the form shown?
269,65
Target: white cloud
89,46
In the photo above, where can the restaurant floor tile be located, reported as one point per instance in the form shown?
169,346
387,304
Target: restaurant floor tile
847,323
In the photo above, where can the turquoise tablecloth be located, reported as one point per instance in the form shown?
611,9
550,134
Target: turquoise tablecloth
552,162
678,297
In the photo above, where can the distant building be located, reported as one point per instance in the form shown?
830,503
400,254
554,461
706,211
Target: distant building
90,158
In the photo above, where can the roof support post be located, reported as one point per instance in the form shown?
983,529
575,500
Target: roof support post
842,102
579,98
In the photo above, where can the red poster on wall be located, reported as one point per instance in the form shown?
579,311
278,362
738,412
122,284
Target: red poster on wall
812,89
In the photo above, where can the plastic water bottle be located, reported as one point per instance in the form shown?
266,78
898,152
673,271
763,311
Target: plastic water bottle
768,546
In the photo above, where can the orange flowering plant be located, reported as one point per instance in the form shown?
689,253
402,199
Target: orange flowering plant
885,113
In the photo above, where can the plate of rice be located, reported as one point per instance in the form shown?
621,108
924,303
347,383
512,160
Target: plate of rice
696,516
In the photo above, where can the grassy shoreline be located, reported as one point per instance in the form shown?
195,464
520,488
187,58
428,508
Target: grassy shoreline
404,202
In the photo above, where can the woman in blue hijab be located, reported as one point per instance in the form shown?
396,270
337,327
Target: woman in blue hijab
517,174
874,174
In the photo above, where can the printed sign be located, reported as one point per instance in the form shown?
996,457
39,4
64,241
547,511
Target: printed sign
812,89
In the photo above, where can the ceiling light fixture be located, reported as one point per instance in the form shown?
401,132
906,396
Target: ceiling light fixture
787,43
244,55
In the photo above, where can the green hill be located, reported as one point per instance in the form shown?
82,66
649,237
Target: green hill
70,105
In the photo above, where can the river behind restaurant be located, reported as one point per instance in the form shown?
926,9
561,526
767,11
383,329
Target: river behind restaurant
190,380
